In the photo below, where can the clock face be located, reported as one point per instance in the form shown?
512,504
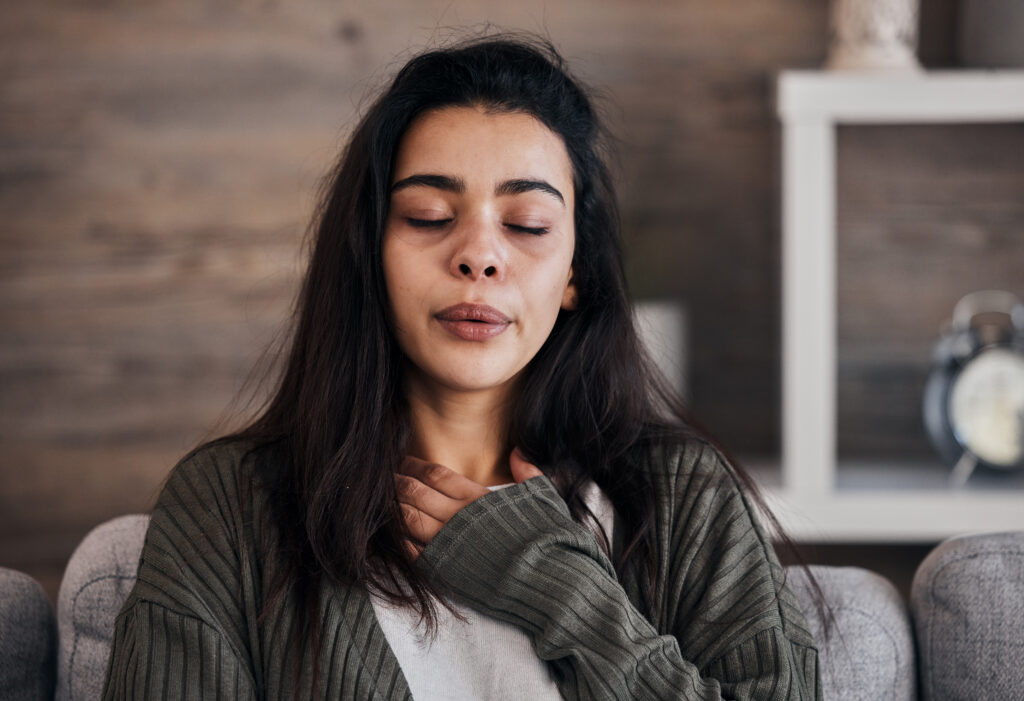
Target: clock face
986,407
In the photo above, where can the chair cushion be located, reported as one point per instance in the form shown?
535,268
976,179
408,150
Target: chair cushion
968,606
28,639
869,652
98,578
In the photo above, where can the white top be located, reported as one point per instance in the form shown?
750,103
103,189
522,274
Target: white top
481,658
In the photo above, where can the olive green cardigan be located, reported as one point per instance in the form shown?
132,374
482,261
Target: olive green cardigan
723,624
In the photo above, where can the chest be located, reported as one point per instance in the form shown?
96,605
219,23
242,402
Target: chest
469,655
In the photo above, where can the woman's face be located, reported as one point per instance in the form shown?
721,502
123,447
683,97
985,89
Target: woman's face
478,245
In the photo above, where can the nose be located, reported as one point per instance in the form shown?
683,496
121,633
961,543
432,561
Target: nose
478,253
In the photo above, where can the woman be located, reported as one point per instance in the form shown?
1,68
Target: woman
463,325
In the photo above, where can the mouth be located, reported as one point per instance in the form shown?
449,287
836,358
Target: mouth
473,322
480,313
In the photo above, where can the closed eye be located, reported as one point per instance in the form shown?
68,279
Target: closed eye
427,223
535,230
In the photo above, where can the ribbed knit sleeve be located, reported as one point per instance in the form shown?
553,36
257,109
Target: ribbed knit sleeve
724,626
165,655
181,634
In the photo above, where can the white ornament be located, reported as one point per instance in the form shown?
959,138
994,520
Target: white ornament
873,35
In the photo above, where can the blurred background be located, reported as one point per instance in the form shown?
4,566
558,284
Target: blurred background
158,168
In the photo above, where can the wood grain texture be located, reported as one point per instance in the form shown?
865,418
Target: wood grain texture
158,166
926,214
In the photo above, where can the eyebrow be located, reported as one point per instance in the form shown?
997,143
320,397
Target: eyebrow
458,185
515,187
441,182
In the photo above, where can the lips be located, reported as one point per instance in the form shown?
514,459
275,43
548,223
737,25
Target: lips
473,322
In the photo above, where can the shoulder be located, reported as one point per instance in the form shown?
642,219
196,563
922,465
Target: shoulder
217,476
215,487
197,536
209,470
716,554
691,471
197,570
701,497
707,528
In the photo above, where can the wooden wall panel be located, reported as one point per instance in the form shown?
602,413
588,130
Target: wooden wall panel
158,162
926,214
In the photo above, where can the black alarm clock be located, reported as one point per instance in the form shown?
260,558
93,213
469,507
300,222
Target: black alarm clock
974,396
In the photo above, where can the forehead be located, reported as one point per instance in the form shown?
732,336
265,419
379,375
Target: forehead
475,143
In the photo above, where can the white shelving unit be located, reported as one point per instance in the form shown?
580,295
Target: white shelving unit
816,499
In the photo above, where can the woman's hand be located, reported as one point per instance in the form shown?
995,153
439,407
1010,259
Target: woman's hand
430,494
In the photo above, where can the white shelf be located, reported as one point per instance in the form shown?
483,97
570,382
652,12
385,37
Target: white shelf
937,96
893,502
931,476
882,517
812,495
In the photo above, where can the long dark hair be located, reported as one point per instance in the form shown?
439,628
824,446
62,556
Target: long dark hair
589,403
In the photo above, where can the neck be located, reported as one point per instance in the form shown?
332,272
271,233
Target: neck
464,431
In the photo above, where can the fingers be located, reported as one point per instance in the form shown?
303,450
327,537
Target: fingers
522,470
429,495
422,527
443,479
425,498
414,550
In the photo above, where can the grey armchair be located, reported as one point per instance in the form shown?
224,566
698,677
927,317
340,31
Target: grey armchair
98,578
968,607
28,639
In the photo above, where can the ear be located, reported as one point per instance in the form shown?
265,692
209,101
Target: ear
569,297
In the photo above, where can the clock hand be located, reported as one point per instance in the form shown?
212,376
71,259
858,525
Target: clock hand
963,469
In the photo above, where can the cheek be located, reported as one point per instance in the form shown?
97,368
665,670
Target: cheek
399,295
387,256
403,303
398,273
549,288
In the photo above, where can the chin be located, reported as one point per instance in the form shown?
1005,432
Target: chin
474,382
474,369
471,377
